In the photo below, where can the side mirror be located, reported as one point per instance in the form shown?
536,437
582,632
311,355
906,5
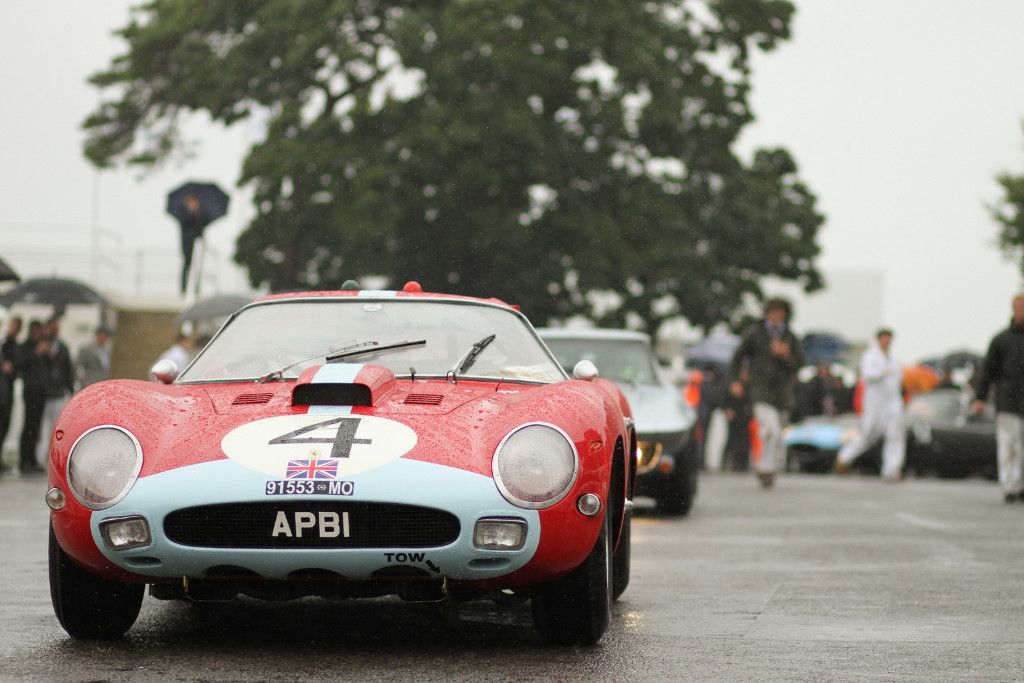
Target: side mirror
164,371
585,370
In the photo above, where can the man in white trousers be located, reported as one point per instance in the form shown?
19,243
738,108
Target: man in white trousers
1004,367
882,410
770,353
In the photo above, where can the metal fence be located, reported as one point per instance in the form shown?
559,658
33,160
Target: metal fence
99,257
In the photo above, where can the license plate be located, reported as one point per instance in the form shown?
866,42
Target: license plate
322,524
288,487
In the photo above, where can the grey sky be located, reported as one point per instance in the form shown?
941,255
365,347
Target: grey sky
899,112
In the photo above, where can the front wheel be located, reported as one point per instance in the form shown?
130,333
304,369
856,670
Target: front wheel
576,609
87,606
620,559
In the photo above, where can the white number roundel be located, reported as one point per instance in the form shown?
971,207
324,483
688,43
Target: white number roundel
317,446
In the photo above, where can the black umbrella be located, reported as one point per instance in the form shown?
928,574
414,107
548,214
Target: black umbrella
213,307
55,292
212,203
7,273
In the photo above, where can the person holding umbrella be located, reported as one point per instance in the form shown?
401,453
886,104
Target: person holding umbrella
195,206
33,365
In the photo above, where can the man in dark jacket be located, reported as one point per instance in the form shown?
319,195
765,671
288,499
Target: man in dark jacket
1004,367
33,365
8,356
771,354
59,388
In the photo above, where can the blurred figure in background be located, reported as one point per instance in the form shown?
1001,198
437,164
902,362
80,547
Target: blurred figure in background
1004,367
33,365
181,351
712,419
94,359
771,354
825,393
8,357
60,384
882,413
738,414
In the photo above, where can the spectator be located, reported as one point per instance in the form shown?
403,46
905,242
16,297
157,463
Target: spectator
712,419
181,352
882,414
94,359
738,413
33,365
1004,368
60,384
771,354
825,393
8,357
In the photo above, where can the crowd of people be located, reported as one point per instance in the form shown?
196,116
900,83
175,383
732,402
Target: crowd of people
757,394
49,376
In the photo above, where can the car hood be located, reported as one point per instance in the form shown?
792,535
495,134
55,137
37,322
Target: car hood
658,409
266,426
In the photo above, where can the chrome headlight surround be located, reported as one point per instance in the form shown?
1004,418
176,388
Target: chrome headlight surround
129,470
506,481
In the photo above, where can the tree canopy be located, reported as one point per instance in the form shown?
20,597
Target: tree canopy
571,157
1008,213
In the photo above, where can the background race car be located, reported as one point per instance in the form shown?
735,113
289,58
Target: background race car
668,459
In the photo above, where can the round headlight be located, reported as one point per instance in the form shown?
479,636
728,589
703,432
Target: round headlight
103,465
535,466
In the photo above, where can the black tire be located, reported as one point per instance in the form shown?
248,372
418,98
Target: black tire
576,609
87,606
679,492
620,559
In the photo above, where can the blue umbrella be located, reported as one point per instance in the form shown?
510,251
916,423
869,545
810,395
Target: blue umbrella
212,203
823,347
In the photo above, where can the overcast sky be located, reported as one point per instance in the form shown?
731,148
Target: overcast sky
899,112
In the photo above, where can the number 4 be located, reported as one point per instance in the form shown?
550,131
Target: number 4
343,440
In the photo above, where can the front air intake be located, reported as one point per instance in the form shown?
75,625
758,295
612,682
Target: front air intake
332,395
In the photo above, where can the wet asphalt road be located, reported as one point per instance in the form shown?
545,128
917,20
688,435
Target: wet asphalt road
819,579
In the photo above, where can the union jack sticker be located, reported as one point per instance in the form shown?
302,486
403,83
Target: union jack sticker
312,469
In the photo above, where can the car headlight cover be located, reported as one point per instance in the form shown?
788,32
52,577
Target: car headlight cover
103,465
535,466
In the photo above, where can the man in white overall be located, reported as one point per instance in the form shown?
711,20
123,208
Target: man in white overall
1004,368
882,414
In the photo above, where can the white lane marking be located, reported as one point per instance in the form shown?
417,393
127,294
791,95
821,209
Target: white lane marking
922,522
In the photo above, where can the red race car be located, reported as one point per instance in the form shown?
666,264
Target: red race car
348,444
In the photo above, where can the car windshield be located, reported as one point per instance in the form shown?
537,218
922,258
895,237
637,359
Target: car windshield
626,361
938,406
266,337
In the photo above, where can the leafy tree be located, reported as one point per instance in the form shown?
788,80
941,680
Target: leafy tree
1008,212
542,152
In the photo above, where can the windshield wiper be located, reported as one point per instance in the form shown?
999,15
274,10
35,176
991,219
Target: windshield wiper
373,347
344,352
466,362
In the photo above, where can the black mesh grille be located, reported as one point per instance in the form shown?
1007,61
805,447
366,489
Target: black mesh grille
370,525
